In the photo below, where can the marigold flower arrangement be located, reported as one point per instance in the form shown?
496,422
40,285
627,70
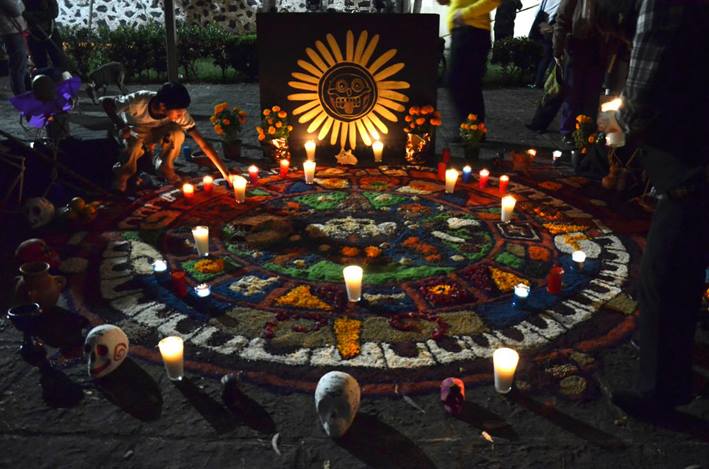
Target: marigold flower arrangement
471,130
228,122
422,120
274,124
585,133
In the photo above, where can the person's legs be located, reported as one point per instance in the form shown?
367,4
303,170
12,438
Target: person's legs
469,50
56,52
133,151
544,63
170,137
572,96
17,62
669,295
38,51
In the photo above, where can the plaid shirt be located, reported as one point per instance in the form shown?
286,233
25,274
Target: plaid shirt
658,22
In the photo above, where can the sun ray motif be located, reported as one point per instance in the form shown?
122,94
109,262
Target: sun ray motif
345,96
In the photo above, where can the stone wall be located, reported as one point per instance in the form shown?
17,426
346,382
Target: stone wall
236,15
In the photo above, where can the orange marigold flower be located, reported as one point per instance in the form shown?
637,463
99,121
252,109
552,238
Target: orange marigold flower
435,122
412,125
350,251
242,113
413,110
226,122
290,128
279,124
220,107
276,108
282,114
408,118
266,112
420,121
428,109
261,137
472,117
271,130
372,251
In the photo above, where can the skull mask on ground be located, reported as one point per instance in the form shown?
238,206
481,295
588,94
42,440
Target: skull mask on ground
106,347
36,250
38,211
337,401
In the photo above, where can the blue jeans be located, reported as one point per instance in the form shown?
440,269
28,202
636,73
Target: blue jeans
17,61
468,56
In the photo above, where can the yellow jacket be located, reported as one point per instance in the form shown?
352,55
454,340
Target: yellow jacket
476,13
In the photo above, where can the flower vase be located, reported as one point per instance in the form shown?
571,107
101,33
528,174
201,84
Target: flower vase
417,146
472,151
232,149
37,285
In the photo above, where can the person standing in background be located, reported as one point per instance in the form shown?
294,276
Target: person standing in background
541,32
12,29
469,24
44,40
505,19
580,47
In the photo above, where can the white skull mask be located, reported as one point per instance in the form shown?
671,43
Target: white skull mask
38,211
337,401
106,347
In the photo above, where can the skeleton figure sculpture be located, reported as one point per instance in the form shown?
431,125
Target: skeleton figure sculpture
106,347
337,401
38,211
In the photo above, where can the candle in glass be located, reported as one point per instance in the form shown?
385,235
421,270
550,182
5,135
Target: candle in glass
505,362
521,293
467,172
208,184
159,266
451,179
188,190
201,240
202,290
285,164
504,181
310,149
172,350
353,282
179,284
309,171
508,206
556,154
253,174
239,184
579,257
377,148
484,176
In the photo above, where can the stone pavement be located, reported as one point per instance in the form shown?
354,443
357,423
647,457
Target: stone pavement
189,426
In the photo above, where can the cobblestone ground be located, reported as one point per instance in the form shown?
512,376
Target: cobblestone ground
192,428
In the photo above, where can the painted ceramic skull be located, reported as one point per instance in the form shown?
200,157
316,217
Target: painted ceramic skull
106,347
38,211
337,401
36,250
453,395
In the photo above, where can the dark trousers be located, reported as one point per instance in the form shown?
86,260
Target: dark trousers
50,48
468,56
669,294
17,62
583,77
544,63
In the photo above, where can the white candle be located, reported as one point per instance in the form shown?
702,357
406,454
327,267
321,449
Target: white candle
556,154
508,206
309,171
615,139
579,257
532,153
505,362
521,294
612,105
451,179
159,266
188,190
208,183
353,282
310,149
202,290
172,351
239,184
377,149
201,240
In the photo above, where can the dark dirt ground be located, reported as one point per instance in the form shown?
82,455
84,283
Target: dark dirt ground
189,426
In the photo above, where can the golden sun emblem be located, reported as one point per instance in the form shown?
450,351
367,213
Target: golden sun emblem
348,95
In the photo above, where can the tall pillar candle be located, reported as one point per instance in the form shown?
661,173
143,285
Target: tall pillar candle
579,257
507,208
310,149
504,182
451,179
285,165
377,149
505,362
201,240
309,171
467,172
484,175
208,184
253,174
239,184
188,191
353,282
172,350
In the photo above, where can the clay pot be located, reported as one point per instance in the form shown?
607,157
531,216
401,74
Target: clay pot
36,285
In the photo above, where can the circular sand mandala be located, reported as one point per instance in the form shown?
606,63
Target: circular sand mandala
439,274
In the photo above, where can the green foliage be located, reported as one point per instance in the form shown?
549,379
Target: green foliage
517,56
141,49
